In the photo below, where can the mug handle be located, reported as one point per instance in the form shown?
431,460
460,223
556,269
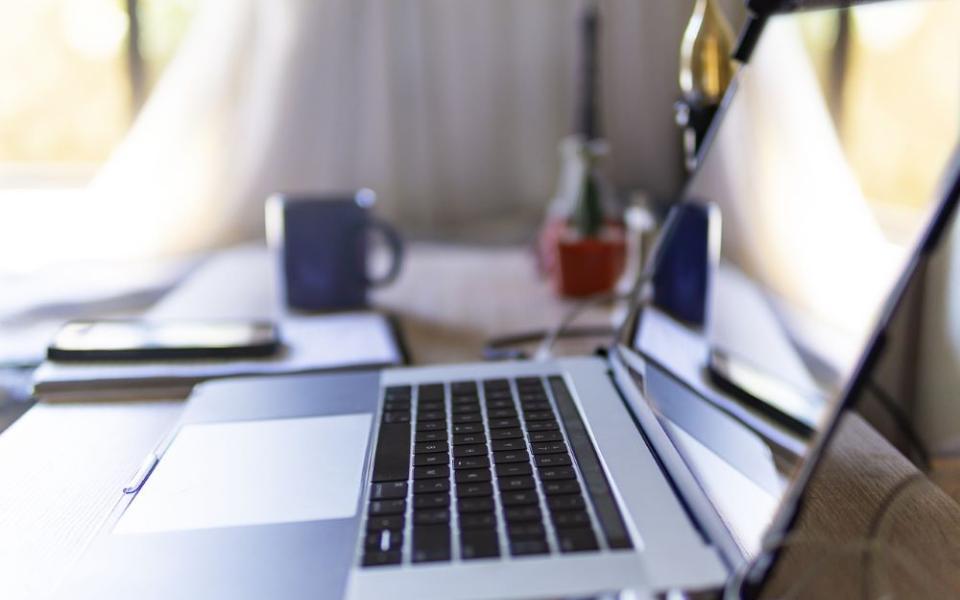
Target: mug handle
395,242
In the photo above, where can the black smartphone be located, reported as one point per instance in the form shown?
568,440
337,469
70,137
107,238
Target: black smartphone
131,339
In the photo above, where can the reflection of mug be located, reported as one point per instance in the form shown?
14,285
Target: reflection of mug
321,243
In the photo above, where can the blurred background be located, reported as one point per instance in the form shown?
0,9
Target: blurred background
136,128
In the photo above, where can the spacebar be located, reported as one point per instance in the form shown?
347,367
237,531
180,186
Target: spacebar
392,460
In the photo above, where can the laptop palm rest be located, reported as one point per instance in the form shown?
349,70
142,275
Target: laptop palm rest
255,472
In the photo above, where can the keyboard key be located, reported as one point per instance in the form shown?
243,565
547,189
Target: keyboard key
397,392
499,403
475,505
508,484
514,444
432,426
463,387
496,384
379,508
543,426
431,501
513,469
505,434
545,436
568,520
556,473
467,408
502,413
388,491
429,447
512,423
431,544
423,460
568,502
392,458
433,516
512,456
552,460
396,417
548,448
471,462
528,547
538,415
380,559
383,541
466,418
529,405
430,486
431,415
521,531
472,475
431,436
471,450
424,405
396,405
393,522
430,391
576,540
467,428
523,498
522,514
558,488
479,544
468,438
478,521
469,490
434,472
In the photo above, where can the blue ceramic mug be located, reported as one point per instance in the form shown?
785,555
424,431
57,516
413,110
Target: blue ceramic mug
322,245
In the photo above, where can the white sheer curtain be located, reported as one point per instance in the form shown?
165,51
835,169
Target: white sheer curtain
452,110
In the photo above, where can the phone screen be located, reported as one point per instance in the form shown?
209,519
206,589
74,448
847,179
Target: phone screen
136,339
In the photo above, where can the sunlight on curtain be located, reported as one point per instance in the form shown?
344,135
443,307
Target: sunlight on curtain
452,111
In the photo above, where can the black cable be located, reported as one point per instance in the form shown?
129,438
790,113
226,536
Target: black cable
504,347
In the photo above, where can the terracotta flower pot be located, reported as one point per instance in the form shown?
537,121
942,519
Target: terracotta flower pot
587,266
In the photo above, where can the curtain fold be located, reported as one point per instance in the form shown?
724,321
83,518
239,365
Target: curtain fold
451,110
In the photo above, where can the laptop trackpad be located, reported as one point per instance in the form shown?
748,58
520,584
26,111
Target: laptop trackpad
253,473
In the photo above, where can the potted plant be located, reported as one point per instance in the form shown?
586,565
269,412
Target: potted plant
581,247
591,247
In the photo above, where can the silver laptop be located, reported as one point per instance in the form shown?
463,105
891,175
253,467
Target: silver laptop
592,476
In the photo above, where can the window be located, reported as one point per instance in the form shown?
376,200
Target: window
75,73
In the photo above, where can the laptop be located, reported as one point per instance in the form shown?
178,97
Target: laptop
594,476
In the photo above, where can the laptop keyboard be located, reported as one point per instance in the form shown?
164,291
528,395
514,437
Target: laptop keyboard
482,470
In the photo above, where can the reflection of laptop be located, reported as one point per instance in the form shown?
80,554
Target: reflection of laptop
566,478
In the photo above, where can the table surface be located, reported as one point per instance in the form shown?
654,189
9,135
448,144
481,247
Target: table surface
61,466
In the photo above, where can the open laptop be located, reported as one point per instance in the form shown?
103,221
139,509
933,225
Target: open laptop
588,476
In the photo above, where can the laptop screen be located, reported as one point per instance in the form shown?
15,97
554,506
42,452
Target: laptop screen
826,165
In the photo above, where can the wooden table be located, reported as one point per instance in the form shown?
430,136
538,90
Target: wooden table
61,466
